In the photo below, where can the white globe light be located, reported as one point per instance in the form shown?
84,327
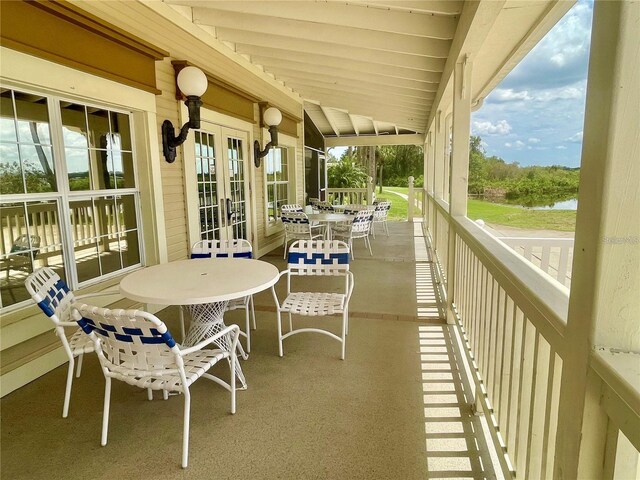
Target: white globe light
192,81
272,116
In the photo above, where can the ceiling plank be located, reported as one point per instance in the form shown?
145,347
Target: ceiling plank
335,34
333,62
391,59
436,7
343,14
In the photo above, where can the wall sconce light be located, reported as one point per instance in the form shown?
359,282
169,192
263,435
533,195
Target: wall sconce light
192,82
271,117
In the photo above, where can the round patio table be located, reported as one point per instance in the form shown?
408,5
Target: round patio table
329,218
204,286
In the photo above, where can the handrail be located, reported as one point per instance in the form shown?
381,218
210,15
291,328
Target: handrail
538,295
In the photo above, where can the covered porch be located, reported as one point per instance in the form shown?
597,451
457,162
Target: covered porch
398,407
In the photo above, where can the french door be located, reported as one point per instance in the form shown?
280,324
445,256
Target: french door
221,167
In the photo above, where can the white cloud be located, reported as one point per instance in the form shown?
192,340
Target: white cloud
561,147
508,145
534,140
509,95
519,144
577,138
488,128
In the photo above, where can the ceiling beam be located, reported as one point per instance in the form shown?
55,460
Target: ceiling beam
358,88
326,76
330,61
343,14
354,125
368,140
332,124
436,7
288,66
391,59
335,34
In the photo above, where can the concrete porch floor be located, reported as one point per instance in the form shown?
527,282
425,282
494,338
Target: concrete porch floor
394,409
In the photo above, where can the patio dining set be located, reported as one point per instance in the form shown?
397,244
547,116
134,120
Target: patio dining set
136,347
341,222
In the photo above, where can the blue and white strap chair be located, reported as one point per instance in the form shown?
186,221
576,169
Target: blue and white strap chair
325,207
360,227
135,347
380,216
316,258
297,227
236,248
54,298
291,208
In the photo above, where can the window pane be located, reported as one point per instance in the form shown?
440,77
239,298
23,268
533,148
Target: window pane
74,125
44,230
10,172
37,162
98,127
109,254
86,257
129,248
78,168
120,127
33,118
7,120
123,169
126,207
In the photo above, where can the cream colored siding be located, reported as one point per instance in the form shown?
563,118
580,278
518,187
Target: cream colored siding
145,23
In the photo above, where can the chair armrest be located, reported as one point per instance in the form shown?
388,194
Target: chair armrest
208,341
273,287
351,282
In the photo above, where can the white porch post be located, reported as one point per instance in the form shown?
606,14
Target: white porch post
458,177
604,301
438,149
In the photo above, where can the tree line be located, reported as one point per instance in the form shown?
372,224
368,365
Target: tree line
489,176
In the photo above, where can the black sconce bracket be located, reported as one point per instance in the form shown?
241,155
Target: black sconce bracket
170,141
259,154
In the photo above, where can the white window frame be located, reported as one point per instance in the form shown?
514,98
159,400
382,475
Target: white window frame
290,144
33,75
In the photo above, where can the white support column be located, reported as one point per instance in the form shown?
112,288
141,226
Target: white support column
438,149
447,151
410,200
458,177
604,301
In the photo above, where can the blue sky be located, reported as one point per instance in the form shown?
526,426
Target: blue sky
535,116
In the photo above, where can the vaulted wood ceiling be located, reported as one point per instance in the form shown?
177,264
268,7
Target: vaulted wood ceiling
362,67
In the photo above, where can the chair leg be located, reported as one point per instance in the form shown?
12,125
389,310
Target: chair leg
279,332
353,257
185,428
285,248
290,323
165,394
373,230
386,228
180,309
248,326
67,391
232,365
344,333
79,367
253,312
105,411
149,394
366,240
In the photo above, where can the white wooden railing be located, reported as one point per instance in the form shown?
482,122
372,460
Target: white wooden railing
342,196
552,255
510,318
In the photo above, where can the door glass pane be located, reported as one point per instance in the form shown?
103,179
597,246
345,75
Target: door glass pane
236,187
7,118
207,185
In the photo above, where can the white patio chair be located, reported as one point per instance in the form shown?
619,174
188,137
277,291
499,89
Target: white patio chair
318,258
295,208
135,347
237,248
380,216
297,227
54,298
360,227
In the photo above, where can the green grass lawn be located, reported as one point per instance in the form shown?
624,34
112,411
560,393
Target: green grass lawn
493,213
398,205
563,220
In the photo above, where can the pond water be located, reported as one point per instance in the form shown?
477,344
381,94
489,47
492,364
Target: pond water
571,204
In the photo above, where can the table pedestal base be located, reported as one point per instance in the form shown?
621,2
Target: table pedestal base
207,319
